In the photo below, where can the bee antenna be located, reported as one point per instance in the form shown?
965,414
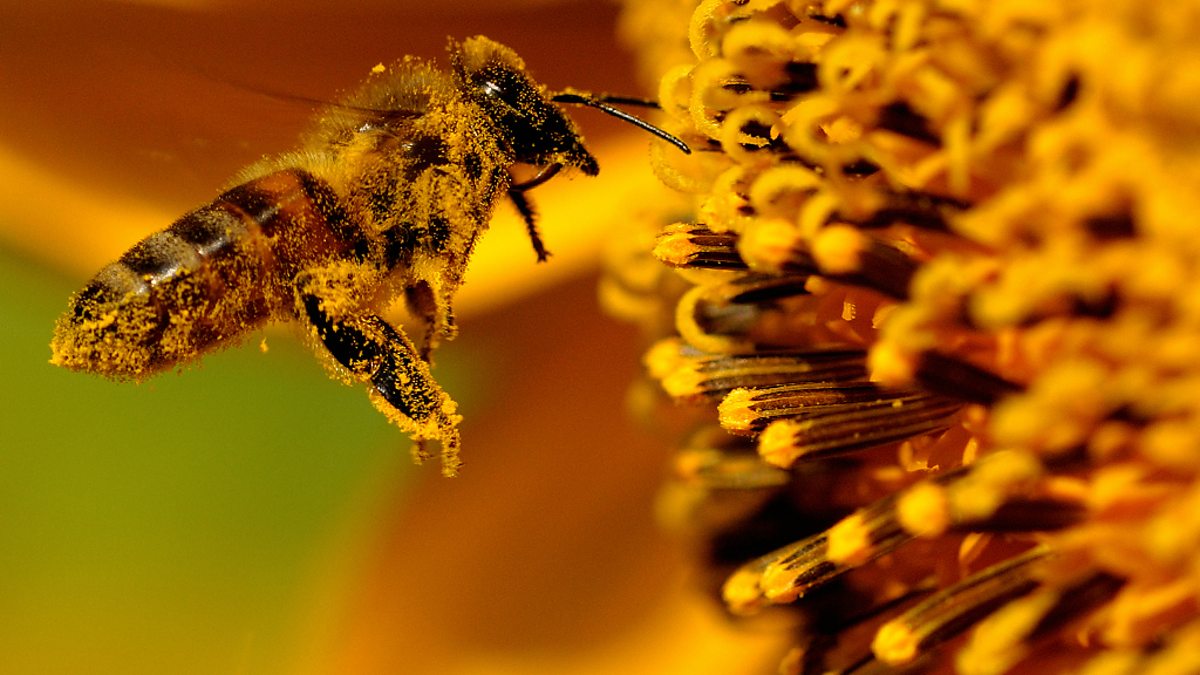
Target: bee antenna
601,103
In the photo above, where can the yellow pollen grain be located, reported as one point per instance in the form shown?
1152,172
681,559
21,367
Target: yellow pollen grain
778,584
1008,467
684,382
1018,421
817,285
1173,444
977,503
924,510
890,365
843,130
776,444
838,249
741,592
675,249
1169,537
735,413
768,244
663,358
690,463
992,481
895,643
379,68
850,541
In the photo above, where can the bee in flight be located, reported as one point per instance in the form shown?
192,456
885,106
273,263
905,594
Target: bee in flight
387,198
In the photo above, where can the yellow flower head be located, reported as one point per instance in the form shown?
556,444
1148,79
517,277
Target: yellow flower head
943,293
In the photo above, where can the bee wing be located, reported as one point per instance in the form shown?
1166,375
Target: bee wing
366,113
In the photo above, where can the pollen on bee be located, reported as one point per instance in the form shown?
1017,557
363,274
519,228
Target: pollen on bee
384,200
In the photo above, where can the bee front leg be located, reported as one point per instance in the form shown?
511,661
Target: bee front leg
529,215
401,385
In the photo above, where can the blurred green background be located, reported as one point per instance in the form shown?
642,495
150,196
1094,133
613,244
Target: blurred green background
173,525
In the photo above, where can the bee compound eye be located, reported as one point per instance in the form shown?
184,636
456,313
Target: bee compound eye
493,90
501,84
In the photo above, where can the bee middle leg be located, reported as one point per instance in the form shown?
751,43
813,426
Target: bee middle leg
401,385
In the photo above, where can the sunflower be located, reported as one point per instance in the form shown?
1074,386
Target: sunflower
935,311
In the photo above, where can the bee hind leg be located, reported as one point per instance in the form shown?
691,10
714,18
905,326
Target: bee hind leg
401,385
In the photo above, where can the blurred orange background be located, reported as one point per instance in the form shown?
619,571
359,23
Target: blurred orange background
251,516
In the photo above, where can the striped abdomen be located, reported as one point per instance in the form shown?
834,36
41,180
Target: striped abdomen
215,274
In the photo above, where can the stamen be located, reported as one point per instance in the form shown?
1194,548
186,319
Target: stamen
1005,637
855,540
847,254
1030,515
754,288
955,377
953,610
711,377
749,411
727,469
840,252
993,494
693,245
741,591
843,429
773,244
920,209
668,355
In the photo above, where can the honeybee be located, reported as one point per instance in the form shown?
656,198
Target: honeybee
386,199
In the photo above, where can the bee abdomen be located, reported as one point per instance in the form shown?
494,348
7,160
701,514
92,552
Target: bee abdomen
169,298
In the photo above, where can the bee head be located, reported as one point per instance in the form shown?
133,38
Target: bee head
536,130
